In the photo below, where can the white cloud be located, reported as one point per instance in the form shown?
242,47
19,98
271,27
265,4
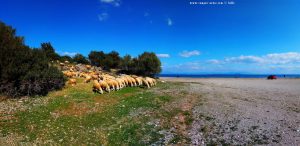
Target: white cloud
283,58
163,55
245,59
169,22
69,53
273,58
115,3
189,53
213,61
102,16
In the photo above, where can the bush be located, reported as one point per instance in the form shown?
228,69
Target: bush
78,58
65,58
49,51
96,58
147,64
106,61
25,71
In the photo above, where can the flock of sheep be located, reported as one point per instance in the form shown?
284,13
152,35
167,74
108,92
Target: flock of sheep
104,81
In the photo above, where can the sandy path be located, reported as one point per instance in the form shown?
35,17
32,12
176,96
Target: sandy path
245,111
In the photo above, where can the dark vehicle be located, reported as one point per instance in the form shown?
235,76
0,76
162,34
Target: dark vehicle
272,77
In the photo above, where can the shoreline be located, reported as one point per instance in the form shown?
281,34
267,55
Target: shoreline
229,78
261,76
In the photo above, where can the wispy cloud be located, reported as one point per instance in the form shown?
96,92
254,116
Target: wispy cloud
163,55
169,22
68,53
245,59
189,53
183,67
273,58
213,61
273,63
115,3
102,16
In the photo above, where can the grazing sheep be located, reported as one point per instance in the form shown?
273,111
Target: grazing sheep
94,77
139,81
104,85
133,81
87,78
82,75
88,67
145,82
151,81
121,82
72,81
125,80
97,87
69,74
112,84
103,81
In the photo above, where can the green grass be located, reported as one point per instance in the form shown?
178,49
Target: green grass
76,115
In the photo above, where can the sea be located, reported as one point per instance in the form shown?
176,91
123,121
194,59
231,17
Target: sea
228,75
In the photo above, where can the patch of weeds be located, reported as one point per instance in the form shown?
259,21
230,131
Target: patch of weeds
254,127
206,117
212,143
257,139
132,133
188,118
233,128
184,92
175,139
204,129
32,122
224,143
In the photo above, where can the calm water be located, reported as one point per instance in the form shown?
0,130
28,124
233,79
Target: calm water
229,75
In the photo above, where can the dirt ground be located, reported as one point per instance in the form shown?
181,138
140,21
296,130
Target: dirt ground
244,111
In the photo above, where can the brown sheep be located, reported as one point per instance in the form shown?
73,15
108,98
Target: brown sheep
97,87
72,81
150,81
132,80
88,67
95,77
104,85
121,82
68,74
112,84
126,82
145,82
139,81
87,78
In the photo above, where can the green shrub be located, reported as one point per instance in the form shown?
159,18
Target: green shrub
25,71
146,64
78,58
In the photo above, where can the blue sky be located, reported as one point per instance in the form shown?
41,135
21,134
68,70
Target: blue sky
246,36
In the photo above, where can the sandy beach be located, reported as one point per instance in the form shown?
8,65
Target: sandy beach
245,111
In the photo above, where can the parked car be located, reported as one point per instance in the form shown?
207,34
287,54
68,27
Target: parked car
272,77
